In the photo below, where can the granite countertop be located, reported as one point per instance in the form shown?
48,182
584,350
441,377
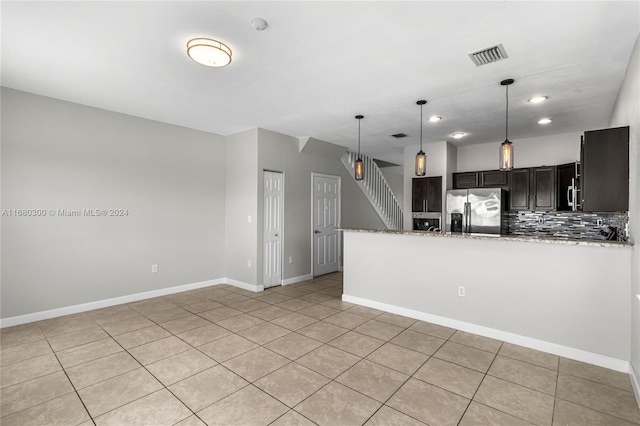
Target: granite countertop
533,239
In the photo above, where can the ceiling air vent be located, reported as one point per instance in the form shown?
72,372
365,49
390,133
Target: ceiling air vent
488,55
399,135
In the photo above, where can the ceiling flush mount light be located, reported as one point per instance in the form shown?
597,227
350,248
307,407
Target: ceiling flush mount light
506,149
209,52
458,135
421,157
538,99
435,118
259,24
359,166
545,121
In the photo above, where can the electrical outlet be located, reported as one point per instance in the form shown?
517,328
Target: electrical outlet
249,219
461,291
599,222
248,264
541,220
290,259
154,268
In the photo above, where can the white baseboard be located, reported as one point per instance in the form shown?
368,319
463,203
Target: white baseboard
297,279
541,345
68,310
635,383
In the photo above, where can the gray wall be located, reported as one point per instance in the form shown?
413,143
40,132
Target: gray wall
60,155
627,113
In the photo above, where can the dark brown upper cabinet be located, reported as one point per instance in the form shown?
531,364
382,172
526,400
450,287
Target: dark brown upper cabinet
566,184
493,178
604,156
519,189
482,179
543,190
466,180
426,194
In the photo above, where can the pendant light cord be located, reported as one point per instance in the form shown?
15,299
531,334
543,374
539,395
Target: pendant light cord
421,128
506,122
358,138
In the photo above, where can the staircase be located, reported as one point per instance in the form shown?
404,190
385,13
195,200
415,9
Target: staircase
377,190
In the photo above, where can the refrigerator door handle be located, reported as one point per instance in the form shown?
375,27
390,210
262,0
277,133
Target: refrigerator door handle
467,219
569,197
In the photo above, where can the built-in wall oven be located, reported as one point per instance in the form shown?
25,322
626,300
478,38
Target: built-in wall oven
427,221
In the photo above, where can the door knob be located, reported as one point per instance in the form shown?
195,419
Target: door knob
316,232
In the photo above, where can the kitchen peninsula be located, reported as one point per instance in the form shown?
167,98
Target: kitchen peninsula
569,297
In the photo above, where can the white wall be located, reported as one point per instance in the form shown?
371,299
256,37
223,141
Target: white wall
530,152
627,113
522,288
60,155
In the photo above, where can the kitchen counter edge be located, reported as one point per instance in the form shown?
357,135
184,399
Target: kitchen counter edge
544,240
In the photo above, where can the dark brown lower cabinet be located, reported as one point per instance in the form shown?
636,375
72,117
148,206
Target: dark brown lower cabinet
426,194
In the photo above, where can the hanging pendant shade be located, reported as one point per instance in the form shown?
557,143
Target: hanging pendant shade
359,165
506,148
421,157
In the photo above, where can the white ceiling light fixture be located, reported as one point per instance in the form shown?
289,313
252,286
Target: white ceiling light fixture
259,24
435,118
545,121
209,52
538,99
458,135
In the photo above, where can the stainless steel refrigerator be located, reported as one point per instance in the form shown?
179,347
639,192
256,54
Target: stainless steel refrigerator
476,211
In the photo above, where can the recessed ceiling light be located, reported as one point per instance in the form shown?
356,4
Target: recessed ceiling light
209,52
435,118
538,99
545,121
458,135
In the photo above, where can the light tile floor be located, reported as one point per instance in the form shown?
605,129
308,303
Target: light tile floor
294,355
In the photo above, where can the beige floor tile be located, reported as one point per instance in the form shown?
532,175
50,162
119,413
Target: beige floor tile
167,315
322,331
202,306
178,367
398,358
356,343
418,342
270,313
452,377
394,319
379,330
432,329
22,371
239,322
233,409
159,408
160,349
201,335
118,391
466,356
318,311
328,361
294,321
273,298
532,356
428,403
76,338
293,345
88,352
337,304
227,347
64,410
33,392
315,297
219,314
150,306
569,414
249,305
141,337
597,396
336,404
595,373
374,380
524,403
24,352
264,333
255,364
292,418
231,298
476,341
66,324
387,416
525,374
191,421
101,369
294,304
207,387
129,324
291,384
478,414
346,319
185,323
365,312
112,314
20,334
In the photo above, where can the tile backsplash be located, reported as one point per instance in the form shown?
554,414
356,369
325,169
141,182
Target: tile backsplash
573,225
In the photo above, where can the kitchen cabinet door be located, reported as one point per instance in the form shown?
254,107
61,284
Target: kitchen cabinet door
565,174
605,170
494,178
543,181
426,194
419,194
466,180
519,190
434,194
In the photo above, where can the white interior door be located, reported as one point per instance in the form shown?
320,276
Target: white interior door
326,218
273,222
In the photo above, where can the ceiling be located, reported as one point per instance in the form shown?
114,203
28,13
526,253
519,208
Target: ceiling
321,63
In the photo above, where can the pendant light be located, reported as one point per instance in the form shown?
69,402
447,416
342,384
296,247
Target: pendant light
359,166
421,157
506,149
